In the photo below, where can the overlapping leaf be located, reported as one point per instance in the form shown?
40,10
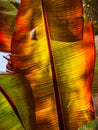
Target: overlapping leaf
16,103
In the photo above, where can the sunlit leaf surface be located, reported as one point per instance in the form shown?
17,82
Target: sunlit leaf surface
72,64
75,68
19,93
51,48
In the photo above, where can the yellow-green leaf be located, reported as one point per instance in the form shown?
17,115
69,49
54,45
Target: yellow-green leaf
17,91
90,126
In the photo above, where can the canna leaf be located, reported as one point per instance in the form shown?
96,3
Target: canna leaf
36,70
19,93
7,24
33,62
50,49
75,68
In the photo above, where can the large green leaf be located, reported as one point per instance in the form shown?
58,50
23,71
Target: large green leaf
16,103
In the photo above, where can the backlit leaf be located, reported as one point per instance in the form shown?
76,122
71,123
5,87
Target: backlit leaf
52,50
19,92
